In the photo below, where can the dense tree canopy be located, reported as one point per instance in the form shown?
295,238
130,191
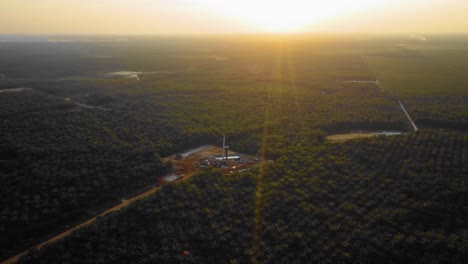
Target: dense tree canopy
77,135
386,200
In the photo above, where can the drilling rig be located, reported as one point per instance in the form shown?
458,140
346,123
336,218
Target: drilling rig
225,148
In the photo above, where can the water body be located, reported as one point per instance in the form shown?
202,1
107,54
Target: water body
89,106
419,37
133,74
124,73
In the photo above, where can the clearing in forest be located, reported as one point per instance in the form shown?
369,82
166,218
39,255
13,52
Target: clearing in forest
354,135
187,164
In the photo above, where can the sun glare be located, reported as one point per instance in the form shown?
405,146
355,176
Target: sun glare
287,16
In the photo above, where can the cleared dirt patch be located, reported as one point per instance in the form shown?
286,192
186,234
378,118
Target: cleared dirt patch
185,165
354,135
193,161
340,137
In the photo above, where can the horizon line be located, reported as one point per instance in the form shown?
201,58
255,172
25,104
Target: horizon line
242,33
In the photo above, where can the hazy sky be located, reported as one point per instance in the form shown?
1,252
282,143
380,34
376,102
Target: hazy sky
233,16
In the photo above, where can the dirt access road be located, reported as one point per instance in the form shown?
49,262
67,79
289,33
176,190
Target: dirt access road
408,116
123,204
56,238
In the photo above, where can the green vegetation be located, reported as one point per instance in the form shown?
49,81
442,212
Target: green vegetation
429,76
77,139
380,200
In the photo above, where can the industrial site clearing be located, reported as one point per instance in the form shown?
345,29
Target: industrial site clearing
187,164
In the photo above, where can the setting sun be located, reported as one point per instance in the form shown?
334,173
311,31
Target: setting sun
176,17
287,16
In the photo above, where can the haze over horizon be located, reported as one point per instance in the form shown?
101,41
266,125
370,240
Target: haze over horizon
212,17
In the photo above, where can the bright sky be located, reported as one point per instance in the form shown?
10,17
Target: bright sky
230,16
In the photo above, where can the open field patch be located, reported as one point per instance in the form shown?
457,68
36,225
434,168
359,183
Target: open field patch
187,164
348,136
